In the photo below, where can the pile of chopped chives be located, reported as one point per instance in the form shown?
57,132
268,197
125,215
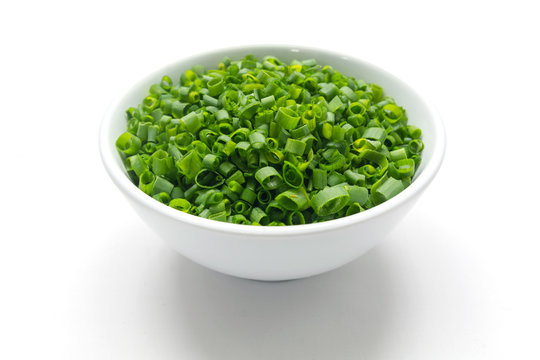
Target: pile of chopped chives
268,143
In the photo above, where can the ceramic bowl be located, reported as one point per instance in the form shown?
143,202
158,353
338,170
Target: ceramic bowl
280,252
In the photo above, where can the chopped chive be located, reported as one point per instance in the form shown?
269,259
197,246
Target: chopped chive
262,142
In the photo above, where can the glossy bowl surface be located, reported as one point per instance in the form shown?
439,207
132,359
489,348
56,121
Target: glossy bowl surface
282,252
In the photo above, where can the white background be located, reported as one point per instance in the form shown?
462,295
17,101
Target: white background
82,278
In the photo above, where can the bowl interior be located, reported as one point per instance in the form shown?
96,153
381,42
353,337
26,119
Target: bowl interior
418,111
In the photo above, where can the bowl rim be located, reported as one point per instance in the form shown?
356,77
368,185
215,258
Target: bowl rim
129,189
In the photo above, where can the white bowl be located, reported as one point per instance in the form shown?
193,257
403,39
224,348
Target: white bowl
276,252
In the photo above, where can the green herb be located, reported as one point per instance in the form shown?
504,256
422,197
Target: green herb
262,142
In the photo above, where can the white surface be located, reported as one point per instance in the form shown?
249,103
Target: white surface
276,252
82,278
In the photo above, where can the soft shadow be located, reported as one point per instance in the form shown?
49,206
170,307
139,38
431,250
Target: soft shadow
342,314
144,301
